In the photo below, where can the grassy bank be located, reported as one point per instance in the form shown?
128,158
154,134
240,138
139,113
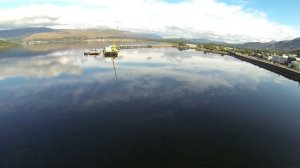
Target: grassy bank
212,51
7,44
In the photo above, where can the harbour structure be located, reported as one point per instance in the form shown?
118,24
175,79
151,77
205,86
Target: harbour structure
111,50
92,52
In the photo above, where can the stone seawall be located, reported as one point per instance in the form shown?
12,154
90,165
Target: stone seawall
276,68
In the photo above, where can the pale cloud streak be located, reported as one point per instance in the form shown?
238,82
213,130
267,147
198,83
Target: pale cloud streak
191,19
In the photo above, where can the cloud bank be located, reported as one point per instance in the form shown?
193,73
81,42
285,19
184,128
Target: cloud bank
190,19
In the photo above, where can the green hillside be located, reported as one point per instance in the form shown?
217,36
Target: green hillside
6,44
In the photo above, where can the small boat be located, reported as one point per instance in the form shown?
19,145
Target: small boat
111,51
92,52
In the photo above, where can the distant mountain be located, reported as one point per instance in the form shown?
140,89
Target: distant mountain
193,41
203,40
43,33
151,36
81,34
288,45
22,32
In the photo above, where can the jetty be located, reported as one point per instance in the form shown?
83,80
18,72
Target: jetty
120,47
113,50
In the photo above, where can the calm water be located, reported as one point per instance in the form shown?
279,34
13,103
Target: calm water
161,108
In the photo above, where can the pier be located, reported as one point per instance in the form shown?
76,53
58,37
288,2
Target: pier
120,47
133,46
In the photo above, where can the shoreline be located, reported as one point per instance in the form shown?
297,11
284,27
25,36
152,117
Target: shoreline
275,68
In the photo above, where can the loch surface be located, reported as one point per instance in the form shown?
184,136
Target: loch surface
158,107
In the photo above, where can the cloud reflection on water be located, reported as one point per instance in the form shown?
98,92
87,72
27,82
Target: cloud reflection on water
37,67
90,81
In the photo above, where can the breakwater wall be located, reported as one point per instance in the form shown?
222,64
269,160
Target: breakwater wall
276,68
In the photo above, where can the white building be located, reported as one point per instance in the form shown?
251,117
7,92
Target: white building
295,65
279,59
192,45
270,58
292,55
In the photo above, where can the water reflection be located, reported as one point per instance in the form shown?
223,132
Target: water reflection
38,66
197,70
166,75
113,61
166,108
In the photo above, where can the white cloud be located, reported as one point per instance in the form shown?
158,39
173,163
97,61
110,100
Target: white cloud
192,19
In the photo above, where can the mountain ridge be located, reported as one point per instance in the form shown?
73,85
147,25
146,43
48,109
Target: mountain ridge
42,33
286,45
48,34
12,34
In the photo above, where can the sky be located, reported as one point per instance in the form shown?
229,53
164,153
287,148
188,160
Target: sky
220,20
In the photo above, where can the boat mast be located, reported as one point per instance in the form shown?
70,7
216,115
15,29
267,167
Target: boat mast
114,41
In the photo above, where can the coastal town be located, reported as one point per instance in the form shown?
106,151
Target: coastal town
283,59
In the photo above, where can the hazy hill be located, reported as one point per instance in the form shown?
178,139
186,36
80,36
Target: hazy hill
288,45
42,33
45,34
151,36
4,43
85,34
22,32
193,41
